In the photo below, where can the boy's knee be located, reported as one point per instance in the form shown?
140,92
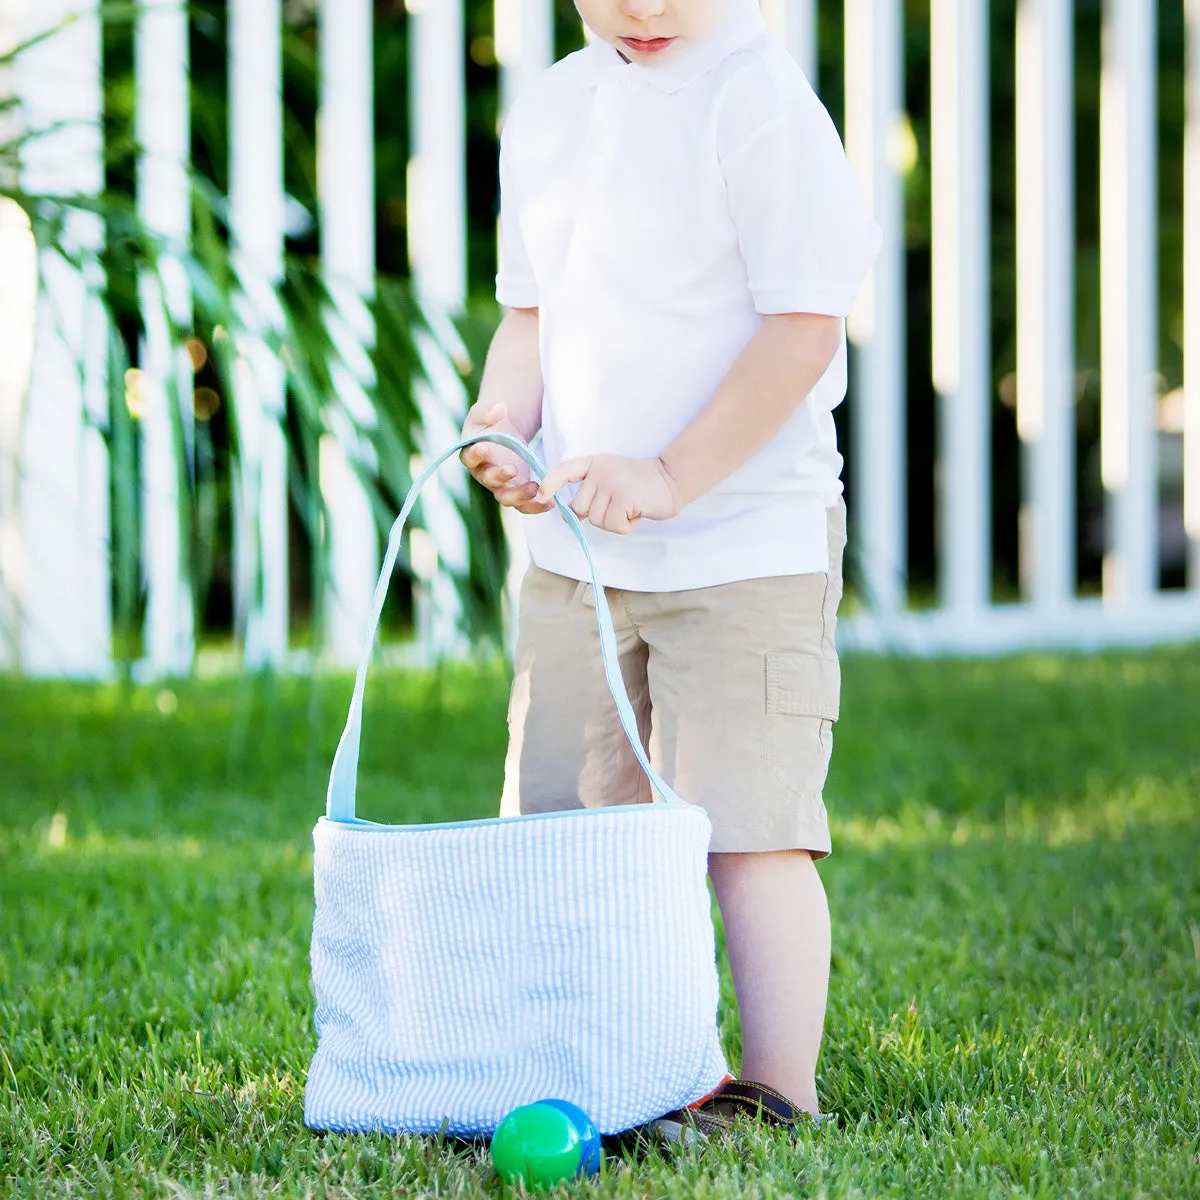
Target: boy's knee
735,864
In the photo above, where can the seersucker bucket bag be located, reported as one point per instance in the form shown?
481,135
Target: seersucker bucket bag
466,968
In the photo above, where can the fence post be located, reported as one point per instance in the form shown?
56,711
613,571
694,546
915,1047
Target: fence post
1045,298
256,216
18,303
164,204
794,23
346,169
63,604
524,32
1128,300
961,334
437,240
1191,299
874,56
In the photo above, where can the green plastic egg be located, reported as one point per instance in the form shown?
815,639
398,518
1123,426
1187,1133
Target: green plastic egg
537,1143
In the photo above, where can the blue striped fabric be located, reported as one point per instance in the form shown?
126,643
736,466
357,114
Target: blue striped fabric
461,972
464,969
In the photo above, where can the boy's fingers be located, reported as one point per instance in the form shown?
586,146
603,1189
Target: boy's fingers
532,508
598,510
520,497
566,472
585,502
496,476
492,472
484,455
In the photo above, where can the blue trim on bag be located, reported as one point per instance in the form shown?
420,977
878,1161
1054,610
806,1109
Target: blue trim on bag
343,778
362,825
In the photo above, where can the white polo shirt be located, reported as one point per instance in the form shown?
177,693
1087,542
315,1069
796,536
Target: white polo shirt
652,214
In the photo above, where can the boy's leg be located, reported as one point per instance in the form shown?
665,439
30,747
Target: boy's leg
566,747
744,682
777,933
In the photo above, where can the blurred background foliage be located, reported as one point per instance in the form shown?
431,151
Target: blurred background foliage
310,350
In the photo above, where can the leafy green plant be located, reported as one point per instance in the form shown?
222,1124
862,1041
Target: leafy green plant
208,454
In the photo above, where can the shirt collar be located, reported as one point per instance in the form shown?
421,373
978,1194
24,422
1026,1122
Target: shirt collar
742,23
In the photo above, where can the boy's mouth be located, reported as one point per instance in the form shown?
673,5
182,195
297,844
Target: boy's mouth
648,45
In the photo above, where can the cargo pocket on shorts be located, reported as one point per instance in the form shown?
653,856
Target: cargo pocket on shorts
803,695
804,685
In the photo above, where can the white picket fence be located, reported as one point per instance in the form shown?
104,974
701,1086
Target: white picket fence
54,560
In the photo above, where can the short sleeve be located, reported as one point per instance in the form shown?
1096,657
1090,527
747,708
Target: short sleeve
803,226
515,284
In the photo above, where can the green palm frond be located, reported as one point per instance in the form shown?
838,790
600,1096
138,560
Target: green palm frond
311,358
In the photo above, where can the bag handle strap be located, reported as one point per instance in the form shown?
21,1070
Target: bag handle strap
343,778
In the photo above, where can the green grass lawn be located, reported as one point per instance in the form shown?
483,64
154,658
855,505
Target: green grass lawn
1015,1005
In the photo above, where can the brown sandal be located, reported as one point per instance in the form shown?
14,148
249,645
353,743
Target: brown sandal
743,1097
715,1115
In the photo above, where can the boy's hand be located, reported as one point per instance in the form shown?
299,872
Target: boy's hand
616,492
499,469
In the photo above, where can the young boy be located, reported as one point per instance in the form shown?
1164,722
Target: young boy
681,238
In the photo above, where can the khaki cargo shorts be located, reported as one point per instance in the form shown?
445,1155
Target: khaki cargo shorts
735,688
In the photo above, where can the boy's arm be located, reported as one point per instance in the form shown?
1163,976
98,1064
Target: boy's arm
510,401
767,382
